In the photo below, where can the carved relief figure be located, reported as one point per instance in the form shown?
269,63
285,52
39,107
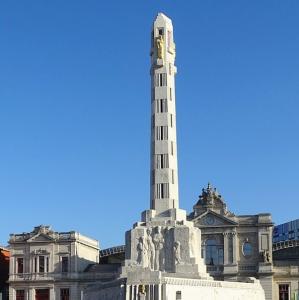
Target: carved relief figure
160,46
192,242
267,256
142,258
159,245
177,252
150,249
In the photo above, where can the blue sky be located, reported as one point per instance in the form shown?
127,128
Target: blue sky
75,110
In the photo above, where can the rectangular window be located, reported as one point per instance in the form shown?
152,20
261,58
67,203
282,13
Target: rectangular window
170,94
35,264
64,294
47,264
162,161
41,261
160,31
161,106
20,295
171,148
64,264
160,79
283,292
20,265
171,121
161,133
172,176
178,295
162,190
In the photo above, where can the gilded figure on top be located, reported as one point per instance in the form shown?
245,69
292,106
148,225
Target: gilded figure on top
160,46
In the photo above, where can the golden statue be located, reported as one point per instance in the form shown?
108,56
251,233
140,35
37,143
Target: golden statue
141,289
160,46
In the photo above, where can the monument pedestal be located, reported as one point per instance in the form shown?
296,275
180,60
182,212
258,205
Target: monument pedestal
166,244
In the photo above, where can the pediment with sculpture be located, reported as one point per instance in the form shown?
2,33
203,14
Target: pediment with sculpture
211,218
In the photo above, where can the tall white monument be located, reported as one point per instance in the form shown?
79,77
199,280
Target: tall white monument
164,241
163,251
164,167
164,170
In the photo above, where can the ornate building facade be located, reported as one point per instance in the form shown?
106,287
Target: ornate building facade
234,247
48,265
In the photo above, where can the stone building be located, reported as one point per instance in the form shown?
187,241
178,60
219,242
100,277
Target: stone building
234,246
286,261
48,265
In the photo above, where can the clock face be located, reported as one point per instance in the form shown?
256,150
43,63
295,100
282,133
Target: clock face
210,220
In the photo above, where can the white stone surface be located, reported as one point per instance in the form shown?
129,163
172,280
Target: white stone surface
211,290
164,171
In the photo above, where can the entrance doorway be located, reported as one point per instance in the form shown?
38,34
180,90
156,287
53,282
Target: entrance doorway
42,294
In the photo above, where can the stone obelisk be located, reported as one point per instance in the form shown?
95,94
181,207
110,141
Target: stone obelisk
164,170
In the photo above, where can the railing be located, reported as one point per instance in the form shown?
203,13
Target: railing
215,269
248,268
285,244
112,250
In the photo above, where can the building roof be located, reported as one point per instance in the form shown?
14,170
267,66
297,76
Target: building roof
44,233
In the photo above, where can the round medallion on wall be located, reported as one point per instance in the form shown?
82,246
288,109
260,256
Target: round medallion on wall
210,220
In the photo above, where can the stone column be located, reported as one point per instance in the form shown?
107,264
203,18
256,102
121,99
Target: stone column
31,294
234,247
128,287
225,248
52,293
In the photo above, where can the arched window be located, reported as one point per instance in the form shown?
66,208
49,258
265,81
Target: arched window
213,252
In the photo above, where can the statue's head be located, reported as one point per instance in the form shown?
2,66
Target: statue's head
149,231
